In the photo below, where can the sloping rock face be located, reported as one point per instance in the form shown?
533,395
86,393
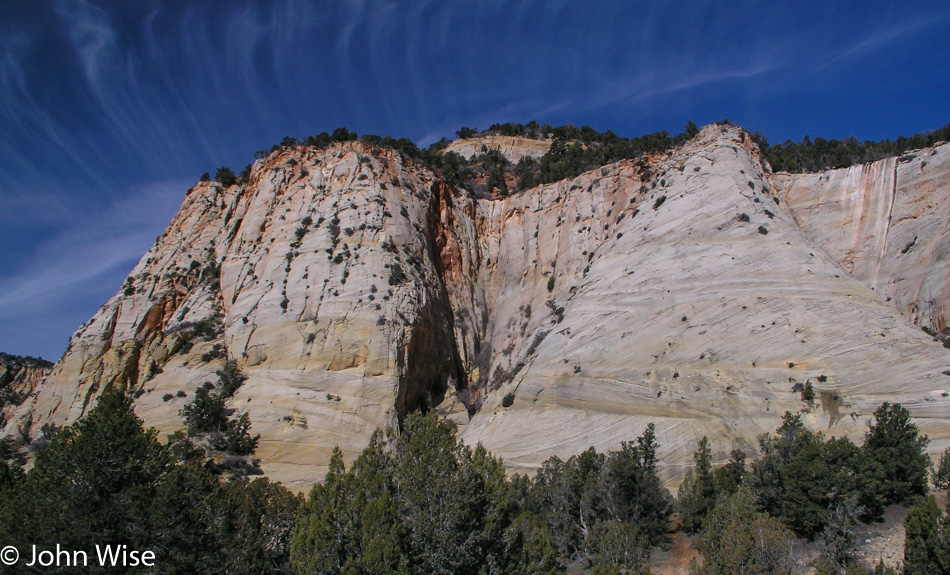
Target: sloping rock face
691,299
888,224
353,285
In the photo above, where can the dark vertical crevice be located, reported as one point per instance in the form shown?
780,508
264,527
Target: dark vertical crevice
431,360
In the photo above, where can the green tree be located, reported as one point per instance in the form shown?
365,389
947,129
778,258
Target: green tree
839,539
691,130
245,175
801,477
106,479
262,519
737,539
940,476
570,495
926,544
419,501
343,135
326,533
452,500
496,181
226,176
188,522
634,490
205,413
894,443
729,477
620,546
528,548
697,494
91,484
525,171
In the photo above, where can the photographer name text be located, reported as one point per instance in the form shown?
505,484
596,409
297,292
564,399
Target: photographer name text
105,555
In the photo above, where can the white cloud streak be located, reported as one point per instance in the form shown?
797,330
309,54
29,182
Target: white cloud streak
94,246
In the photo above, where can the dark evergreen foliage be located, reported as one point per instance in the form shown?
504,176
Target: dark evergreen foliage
801,477
940,476
207,415
821,154
737,538
25,361
226,176
106,480
730,476
698,492
894,444
926,539
418,502
579,497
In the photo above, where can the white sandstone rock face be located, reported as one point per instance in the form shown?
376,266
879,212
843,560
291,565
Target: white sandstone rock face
352,286
887,224
699,313
293,271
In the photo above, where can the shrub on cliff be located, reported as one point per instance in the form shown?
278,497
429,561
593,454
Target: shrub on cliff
226,176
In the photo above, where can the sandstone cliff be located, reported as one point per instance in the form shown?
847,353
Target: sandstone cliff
19,377
888,224
353,285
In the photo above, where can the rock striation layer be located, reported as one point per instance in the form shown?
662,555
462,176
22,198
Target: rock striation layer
697,290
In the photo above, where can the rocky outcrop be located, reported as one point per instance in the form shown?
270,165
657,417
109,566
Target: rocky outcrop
512,147
698,291
19,377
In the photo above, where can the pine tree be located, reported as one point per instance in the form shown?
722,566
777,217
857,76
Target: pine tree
91,484
107,480
417,502
730,476
634,491
697,494
940,477
737,539
894,443
925,542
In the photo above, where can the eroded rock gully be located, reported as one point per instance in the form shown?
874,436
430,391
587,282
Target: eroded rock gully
353,285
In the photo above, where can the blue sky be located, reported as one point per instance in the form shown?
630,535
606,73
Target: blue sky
110,110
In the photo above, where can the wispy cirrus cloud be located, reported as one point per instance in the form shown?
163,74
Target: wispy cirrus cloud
884,36
68,273
105,100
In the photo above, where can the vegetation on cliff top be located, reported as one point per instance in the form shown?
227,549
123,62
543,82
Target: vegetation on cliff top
25,361
821,154
576,150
